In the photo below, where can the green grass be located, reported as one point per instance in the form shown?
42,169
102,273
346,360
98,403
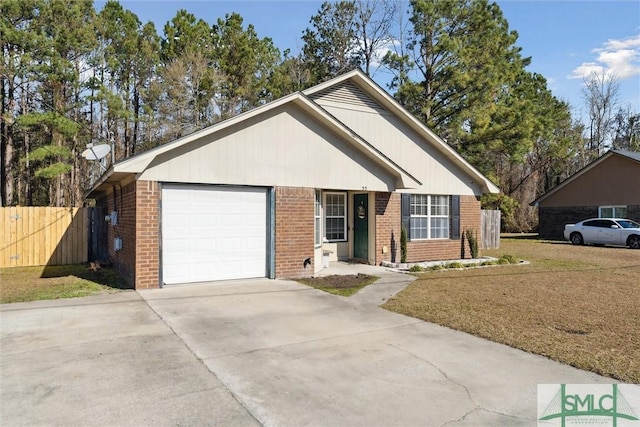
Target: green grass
22,284
345,285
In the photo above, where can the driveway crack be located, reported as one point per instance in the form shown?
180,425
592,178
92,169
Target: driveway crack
448,378
442,372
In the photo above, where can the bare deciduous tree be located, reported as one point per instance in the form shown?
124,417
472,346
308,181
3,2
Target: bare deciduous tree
375,19
626,130
600,94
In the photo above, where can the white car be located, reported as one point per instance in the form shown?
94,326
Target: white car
604,231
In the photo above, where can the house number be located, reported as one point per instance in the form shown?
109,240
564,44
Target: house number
364,188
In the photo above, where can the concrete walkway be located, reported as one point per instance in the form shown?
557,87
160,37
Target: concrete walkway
390,283
257,352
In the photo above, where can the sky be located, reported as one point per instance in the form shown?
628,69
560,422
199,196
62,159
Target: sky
566,40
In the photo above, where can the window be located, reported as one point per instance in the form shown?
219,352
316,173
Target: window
601,223
439,217
335,214
318,219
612,212
429,217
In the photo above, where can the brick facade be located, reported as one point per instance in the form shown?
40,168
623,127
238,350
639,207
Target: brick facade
147,232
633,212
470,219
294,237
122,200
138,208
138,226
551,220
388,224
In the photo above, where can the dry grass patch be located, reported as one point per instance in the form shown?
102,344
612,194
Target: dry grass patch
579,305
343,285
21,284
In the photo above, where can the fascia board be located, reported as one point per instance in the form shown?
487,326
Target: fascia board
332,82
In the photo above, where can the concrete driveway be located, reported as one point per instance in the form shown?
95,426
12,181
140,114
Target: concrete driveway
253,352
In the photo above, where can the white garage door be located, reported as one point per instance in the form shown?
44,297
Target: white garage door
213,233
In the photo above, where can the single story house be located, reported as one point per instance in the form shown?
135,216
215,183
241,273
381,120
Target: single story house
608,187
333,171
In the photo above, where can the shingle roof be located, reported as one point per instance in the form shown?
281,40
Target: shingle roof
634,155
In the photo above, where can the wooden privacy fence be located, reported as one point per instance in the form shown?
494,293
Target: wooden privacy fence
490,230
32,236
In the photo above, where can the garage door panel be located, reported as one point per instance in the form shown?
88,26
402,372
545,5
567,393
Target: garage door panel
177,270
213,233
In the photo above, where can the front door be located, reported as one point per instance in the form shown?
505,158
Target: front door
361,226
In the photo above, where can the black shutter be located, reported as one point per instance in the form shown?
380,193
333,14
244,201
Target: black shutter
455,217
405,208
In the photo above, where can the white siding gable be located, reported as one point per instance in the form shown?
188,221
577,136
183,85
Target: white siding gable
284,146
390,135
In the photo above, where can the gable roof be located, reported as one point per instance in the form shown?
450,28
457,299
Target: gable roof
371,88
632,155
138,163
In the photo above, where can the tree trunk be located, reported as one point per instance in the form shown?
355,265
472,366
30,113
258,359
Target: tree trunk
136,120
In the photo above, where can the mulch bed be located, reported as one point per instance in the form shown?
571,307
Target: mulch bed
337,281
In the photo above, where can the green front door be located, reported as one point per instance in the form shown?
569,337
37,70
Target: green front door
361,226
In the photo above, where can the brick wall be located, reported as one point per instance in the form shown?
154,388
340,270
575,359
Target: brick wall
551,220
123,201
434,250
470,218
633,212
388,224
147,255
138,226
294,231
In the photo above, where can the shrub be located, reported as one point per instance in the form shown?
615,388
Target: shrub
508,259
403,244
454,264
472,238
436,267
416,268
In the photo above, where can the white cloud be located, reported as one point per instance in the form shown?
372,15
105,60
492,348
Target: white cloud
622,44
619,57
586,69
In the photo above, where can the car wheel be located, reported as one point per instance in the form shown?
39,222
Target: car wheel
634,242
576,239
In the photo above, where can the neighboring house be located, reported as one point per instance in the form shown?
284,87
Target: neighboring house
607,187
335,169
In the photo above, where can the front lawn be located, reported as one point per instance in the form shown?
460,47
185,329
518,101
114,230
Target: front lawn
579,305
20,284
